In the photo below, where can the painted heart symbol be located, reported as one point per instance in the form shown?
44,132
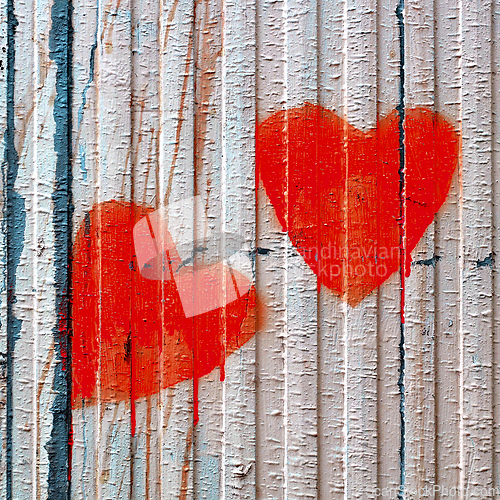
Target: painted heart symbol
336,189
131,336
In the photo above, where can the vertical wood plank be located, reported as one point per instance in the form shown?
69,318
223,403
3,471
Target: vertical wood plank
419,309
301,296
389,295
208,152
476,240
238,217
20,255
331,319
85,186
3,245
177,183
48,222
59,446
114,180
145,90
495,58
270,270
360,110
447,274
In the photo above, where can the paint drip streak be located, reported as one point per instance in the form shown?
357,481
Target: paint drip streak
196,155
59,445
401,112
13,225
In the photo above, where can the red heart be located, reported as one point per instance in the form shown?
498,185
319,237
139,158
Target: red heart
341,205
121,331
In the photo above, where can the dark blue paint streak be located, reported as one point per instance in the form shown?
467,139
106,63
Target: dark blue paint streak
402,354
59,447
488,261
13,225
90,80
427,262
93,49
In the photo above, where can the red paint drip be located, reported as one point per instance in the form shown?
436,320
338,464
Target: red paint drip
70,449
133,420
222,376
196,402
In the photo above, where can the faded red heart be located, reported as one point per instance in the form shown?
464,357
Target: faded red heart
336,189
131,337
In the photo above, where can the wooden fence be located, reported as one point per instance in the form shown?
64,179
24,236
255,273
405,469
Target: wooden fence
352,148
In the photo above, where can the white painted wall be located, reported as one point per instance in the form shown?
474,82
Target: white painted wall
310,407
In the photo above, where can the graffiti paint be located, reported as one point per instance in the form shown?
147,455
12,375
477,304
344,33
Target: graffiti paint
333,170
59,446
120,318
336,189
13,226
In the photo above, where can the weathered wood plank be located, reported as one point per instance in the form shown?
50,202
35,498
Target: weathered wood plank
48,176
177,183
389,295
419,289
3,247
361,328
301,296
447,275
495,58
239,218
20,253
85,174
114,72
145,94
331,318
270,271
476,266
208,152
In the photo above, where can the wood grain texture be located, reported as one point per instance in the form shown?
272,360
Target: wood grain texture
3,249
208,152
270,271
177,181
359,100
301,295
41,224
103,121
239,217
419,297
495,29
114,122
145,118
22,331
389,294
447,247
85,175
476,384
166,98
331,318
